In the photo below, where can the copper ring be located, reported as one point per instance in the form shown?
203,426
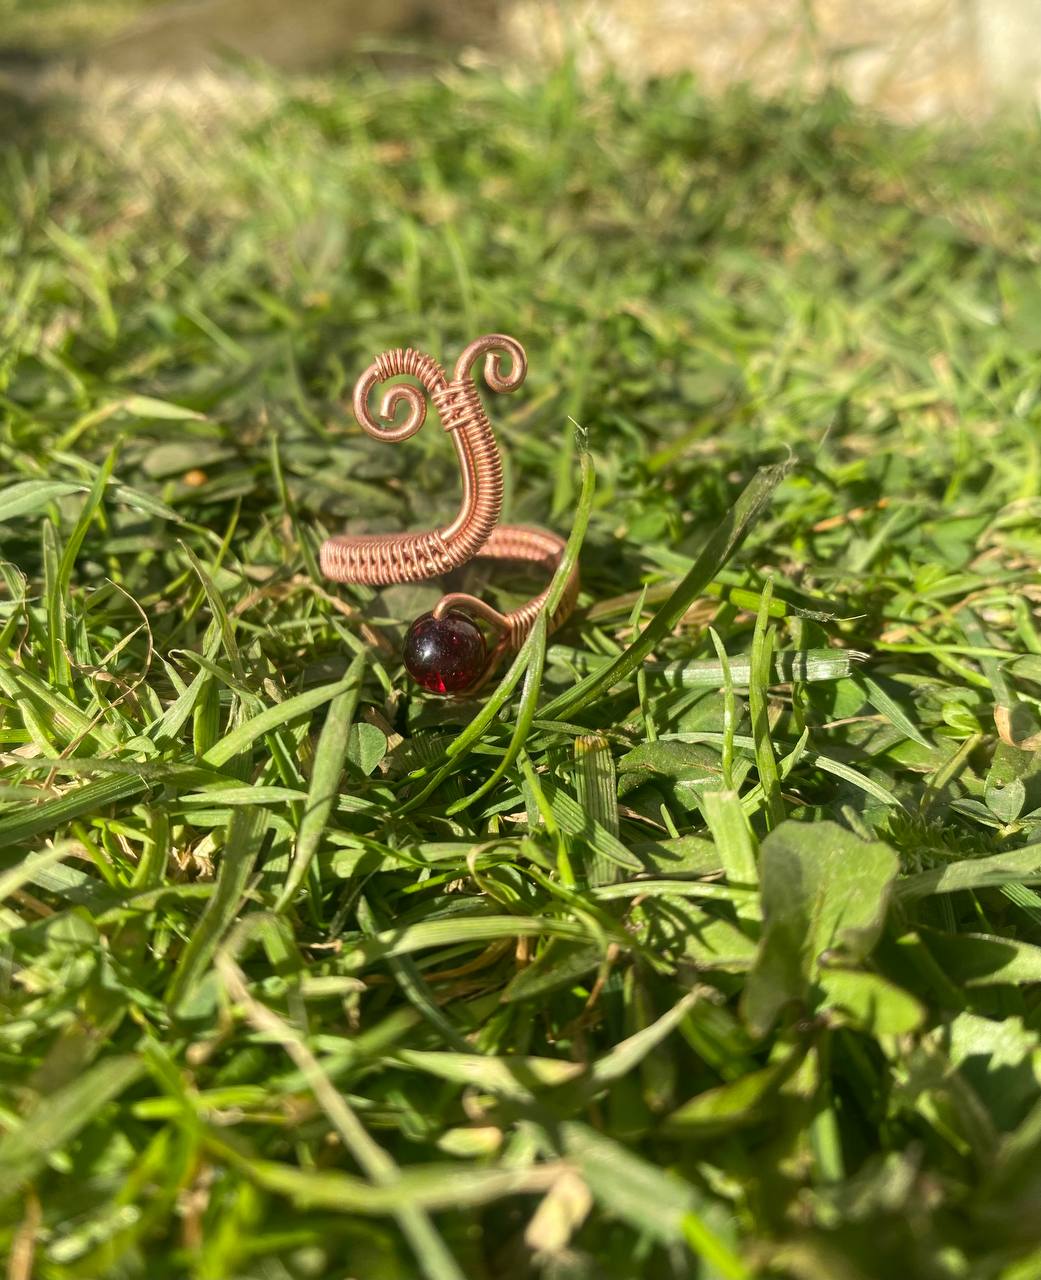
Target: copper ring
382,559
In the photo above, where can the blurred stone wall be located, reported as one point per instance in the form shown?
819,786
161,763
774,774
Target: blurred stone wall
913,59
297,35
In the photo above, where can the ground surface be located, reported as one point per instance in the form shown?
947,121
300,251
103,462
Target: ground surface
307,975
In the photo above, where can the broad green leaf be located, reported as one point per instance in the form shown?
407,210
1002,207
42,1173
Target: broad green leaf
678,855
689,762
680,929
1001,1059
366,746
680,771
823,889
1001,1043
870,1002
981,960
1013,783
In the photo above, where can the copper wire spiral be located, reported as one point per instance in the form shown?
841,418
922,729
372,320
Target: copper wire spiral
381,559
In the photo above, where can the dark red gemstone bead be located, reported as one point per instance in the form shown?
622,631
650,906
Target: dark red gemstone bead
444,655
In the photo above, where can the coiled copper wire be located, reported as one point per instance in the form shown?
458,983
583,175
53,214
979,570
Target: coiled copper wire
381,559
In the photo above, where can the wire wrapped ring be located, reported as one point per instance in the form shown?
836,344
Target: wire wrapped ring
445,651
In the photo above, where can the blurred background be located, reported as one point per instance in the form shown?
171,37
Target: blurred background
912,59
212,217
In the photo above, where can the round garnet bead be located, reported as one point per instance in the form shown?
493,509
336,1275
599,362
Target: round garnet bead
444,655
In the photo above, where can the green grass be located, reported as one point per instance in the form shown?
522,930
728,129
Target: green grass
732,970
47,27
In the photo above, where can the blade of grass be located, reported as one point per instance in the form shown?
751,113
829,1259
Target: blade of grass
326,771
732,835
525,715
431,1252
787,665
638,1192
222,621
574,820
57,613
89,510
30,496
891,709
461,931
27,870
717,551
818,759
243,737
238,858
596,783
414,986
729,708
51,814
59,1116
759,709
